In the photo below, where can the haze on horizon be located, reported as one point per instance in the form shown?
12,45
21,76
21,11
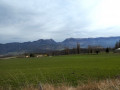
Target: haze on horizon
29,20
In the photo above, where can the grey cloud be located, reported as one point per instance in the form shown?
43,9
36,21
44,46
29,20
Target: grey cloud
35,19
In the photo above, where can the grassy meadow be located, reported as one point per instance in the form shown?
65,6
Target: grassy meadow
69,69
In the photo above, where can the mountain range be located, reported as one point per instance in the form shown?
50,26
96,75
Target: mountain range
44,45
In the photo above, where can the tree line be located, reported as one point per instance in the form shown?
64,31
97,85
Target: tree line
78,50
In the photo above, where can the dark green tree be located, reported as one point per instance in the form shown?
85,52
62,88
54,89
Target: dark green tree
32,55
107,50
97,51
117,45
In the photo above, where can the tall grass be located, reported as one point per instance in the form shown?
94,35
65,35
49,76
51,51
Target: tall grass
101,85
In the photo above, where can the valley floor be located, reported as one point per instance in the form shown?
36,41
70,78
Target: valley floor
85,72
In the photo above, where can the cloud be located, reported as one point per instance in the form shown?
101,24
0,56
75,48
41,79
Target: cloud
28,20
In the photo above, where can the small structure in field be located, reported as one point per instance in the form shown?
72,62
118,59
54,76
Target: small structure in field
42,55
39,56
27,56
45,55
117,50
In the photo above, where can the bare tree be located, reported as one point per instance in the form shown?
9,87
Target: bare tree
66,50
78,48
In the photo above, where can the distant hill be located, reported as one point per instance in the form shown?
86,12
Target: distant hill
35,46
49,44
84,42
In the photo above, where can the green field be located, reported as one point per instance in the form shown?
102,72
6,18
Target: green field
71,69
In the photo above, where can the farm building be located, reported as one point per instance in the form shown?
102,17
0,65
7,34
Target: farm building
117,50
40,55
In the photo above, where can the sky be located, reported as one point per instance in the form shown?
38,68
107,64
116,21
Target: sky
30,20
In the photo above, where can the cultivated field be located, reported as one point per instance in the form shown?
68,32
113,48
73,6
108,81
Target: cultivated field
69,70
